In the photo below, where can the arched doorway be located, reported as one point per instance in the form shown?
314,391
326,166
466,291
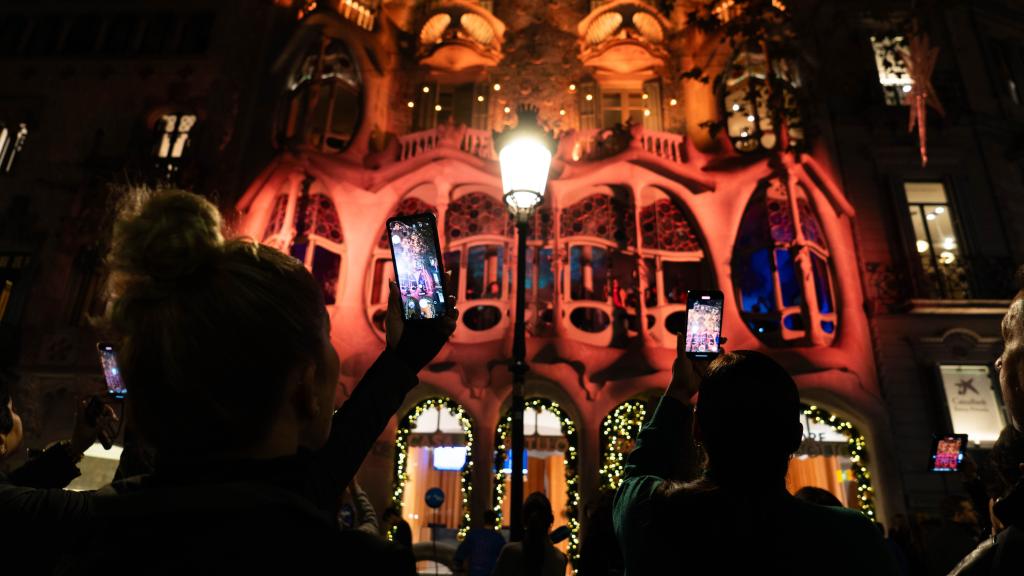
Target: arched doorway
552,448
833,456
619,430
433,448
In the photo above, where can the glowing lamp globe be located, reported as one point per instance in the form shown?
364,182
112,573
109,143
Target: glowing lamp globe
524,154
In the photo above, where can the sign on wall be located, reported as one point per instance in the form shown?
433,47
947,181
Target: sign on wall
974,408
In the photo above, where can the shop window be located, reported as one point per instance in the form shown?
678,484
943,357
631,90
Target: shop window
549,463
174,133
936,242
893,75
433,448
325,92
781,268
752,110
12,141
833,457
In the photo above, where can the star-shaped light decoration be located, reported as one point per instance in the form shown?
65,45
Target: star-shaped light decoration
920,59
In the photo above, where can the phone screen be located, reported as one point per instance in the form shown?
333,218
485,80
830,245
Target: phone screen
948,452
111,371
418,267
703,323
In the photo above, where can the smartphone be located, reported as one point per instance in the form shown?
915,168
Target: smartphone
947,452
111,371
92,415
419,271
703,323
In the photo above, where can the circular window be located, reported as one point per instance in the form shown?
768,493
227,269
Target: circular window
590,319
481,317
676,322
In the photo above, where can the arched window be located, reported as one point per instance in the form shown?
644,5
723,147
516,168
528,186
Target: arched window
313,235
760,92
477,232
382,270
434,448
599,236
672,262
325,97
781,268
550,464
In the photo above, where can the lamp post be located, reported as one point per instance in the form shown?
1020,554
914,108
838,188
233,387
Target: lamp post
524,154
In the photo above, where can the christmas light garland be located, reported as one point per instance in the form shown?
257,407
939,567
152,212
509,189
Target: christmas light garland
618,431
405,427
571,477
858,455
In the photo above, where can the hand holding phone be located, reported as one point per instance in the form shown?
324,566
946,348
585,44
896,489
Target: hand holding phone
419,270
94,421
111,371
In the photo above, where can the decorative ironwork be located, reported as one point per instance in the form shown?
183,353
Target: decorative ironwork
475,214
600,215
322,219
664,226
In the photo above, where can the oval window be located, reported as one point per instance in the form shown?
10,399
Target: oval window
676,322
590,319
481,317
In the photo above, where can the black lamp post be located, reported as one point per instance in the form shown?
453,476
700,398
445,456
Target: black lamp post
524,154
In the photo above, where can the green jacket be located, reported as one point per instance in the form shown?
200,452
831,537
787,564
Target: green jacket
710,530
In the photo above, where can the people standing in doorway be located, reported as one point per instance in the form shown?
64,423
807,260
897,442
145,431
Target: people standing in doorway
535,555
478,552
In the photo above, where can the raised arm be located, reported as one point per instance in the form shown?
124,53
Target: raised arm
363,417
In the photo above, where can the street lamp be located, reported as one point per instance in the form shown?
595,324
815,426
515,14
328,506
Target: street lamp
524,154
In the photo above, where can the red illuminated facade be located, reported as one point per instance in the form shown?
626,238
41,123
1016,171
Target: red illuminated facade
802,199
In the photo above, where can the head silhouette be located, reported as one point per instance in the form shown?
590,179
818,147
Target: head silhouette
747,417
537,518
224,344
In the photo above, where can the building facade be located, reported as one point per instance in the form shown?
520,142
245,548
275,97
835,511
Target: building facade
687,158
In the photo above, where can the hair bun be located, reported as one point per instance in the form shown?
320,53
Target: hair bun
166,235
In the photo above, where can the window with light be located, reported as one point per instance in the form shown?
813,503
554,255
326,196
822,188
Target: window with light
936,242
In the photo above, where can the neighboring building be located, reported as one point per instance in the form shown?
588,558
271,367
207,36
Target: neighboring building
839,254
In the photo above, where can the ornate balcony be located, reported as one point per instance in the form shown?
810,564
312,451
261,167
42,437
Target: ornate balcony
623,37
460,34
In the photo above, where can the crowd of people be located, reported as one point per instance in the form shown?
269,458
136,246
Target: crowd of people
226,351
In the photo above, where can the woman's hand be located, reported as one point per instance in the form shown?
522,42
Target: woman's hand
92,427
687,374
419,341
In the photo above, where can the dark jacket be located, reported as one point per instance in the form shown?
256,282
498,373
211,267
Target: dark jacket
51,468
1002,554
222,516
705,529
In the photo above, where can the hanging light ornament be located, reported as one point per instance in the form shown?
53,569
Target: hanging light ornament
920,58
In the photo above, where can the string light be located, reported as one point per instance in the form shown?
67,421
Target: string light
589,97
619,430
480,98
572,490
561,112
437,107
401,472
426,89
507,110
673,102
572,87
497,87
411,104
858,454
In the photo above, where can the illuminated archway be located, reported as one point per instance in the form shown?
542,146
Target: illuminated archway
502,444
619,430
847,475
429,424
